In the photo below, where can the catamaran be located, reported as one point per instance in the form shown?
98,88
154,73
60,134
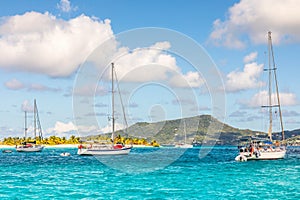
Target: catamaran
32,146
97,149
260,149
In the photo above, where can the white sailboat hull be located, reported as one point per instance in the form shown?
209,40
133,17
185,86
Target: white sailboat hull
29,149
268,155
184,146
263,155
104,151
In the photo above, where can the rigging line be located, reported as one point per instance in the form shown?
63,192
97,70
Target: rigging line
34,118
270,86
277,90
112,102
122,104
262,89
25,125
39,123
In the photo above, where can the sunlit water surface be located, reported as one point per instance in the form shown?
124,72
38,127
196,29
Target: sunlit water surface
148,173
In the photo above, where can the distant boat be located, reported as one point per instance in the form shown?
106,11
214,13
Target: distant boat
65,154
196,144
260,149
184,145
6,151
168,145
106,149
32,146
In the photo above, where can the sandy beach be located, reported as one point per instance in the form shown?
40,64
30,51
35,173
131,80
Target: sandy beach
46,146
67,146
6,146
61,146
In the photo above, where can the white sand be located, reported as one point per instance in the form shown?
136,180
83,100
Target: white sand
61,146
66,146
6,146
46,146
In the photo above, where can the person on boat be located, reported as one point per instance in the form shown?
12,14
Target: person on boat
270,149
251,149
119,145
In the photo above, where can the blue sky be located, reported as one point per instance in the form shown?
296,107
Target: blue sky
46,46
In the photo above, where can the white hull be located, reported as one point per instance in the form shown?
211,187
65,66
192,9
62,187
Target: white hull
7,151
65,154
184,146
104,151
29,149
264,155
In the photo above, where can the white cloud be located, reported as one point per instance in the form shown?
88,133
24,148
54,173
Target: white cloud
142,64
290,113
238,114
67,129
61,127
254,18
65,6
41,43
292,121
190,79
250,58
108,128
6,132
154,64
89,90
261,99
246,79
41,88
27,106
146,64
14,84
133,105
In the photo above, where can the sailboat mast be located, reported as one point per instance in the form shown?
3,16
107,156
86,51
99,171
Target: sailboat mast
112,101
270,86
39,127
276,85
184,128
25,125
34,116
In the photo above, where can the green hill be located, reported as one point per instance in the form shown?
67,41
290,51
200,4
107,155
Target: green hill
203,128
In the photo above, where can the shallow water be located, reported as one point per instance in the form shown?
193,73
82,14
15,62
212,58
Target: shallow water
148,173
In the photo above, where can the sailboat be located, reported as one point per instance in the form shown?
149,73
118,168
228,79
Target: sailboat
259,149
106,149
32,146
184,145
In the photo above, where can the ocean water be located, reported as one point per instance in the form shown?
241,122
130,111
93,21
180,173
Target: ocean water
148,173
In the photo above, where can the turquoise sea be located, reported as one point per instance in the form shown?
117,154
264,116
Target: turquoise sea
148,173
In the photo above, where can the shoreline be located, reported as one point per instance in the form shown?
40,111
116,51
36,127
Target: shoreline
45,146
65,146
76,146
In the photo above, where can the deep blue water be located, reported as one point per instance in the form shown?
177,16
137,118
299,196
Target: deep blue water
149,173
